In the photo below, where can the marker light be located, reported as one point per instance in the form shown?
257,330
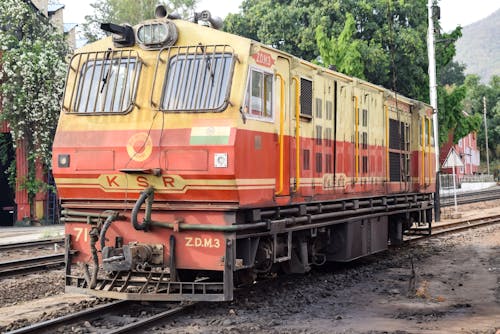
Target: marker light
63,160
220,160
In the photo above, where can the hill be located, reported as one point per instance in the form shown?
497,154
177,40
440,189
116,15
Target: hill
479,47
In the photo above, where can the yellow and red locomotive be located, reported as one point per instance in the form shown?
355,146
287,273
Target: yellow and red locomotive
189,160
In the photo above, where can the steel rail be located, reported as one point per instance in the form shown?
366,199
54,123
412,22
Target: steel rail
143,324
465,224
51,325
29,244
457,226
471,197
23,266
100,311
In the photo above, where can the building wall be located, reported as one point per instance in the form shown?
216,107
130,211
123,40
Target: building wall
42,6
57,20
71,39
468,152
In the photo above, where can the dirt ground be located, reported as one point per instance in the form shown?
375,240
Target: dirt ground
455,289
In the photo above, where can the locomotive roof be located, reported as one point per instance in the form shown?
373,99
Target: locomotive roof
190,33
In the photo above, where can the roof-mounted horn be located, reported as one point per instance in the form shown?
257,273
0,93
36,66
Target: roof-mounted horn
162,12
214,21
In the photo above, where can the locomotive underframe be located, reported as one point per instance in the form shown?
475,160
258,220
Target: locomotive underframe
291,238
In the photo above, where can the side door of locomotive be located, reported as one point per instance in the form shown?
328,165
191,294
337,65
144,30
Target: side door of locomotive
283,119
267,104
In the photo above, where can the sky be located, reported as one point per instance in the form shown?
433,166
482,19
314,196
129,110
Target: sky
453,12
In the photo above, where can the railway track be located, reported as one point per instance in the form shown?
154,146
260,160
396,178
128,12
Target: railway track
30,244
465,225
96,314
471,197
455,226
29,265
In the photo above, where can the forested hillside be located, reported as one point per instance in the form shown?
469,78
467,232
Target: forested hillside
479,47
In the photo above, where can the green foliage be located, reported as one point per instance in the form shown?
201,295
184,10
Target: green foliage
31,183
342,52
33,73
451,74
445,46
6,154
473,104
451,115
128,11
281,24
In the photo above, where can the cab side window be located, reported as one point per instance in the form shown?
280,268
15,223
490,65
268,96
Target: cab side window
259,94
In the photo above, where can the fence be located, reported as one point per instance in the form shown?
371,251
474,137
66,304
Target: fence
446,180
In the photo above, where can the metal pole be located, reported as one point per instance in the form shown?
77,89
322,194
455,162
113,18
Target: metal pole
486,136
432,80
454,189
433,100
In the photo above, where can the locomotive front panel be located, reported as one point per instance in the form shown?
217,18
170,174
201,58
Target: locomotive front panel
144,161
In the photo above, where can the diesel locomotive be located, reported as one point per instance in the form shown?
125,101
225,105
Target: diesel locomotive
189,161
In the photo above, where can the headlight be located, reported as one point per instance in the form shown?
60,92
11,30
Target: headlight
157,34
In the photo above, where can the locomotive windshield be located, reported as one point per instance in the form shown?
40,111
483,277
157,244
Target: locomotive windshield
105,84
197,82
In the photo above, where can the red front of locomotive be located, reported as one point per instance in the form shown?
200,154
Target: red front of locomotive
145,164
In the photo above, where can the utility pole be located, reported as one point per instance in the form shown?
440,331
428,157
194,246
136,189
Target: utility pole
486,136
433,100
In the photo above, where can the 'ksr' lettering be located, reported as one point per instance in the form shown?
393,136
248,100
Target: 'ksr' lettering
142,181
112,181
202,242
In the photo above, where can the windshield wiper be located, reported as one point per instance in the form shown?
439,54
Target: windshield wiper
105,78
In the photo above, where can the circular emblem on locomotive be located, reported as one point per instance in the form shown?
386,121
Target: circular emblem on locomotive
139,146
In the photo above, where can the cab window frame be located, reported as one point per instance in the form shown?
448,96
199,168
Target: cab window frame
267,81
81,95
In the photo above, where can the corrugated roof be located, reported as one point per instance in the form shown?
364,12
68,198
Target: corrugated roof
69,26
52,8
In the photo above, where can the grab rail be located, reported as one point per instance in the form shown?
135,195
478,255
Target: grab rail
281,136
297,133
387,163
356,139
422,178
429,149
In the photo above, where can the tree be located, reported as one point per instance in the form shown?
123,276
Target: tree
451,114
32,76
342,52
451,74
130,12
473,104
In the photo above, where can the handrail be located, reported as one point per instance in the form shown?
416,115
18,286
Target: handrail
356,139
281,136
297,133
429,149
422,178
